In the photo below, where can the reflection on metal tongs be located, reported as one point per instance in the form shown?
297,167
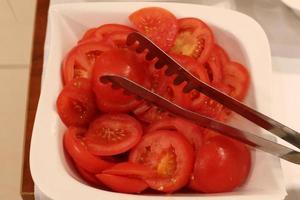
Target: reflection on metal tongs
192,83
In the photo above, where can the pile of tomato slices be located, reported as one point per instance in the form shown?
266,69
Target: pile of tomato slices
124,144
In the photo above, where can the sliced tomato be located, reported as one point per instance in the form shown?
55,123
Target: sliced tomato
79,84
122,184
153,114
213,68
212,108
237,78
88,177
194,39
76,104
192,132
112,134
221,54
156,23
80,60
158,79
120,62
194,99
221,165
129,169
101,33
78,151
169,154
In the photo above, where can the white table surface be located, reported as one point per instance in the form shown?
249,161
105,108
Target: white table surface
282,27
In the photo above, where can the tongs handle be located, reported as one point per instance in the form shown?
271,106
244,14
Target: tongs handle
280,130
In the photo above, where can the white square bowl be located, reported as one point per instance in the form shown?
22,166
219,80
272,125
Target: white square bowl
241,36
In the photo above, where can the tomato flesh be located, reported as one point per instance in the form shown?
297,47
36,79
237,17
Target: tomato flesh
122,184
76,104
169,154
80,60
128,169
78,151
156,23
112,134
237,77
194,39
88,177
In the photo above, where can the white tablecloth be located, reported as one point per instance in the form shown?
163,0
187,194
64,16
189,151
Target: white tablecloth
283,30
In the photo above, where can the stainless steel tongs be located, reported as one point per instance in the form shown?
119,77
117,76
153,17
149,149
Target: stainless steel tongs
192,83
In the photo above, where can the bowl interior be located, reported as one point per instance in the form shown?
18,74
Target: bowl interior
68,22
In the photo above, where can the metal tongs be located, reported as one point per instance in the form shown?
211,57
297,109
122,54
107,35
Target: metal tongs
192,83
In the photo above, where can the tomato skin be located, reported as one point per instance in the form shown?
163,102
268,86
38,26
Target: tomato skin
88,177
120,62
129,169
122,184
221,54
156,23
112,134
76,104
78,151
79,62
101,33
237,77
170,154
221,165
194,39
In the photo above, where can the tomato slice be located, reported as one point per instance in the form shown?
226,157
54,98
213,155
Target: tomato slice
112,134
80,60
156,23
194,99
192,132
194,39
213,68
169,154
88,177
221,165
237,77
122,184
101,33
128,169
153,114
120,62
76,104
78,151
221,54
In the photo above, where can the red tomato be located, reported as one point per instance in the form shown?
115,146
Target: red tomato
212,108
128,169
156,23
192,132
214,68
169,154
80,60
194,99
153,114
76,104
194,39
112,134
221,165
78,151
221,54
122,184
237,77
121,62
102,32
79,83
88,177
158,79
